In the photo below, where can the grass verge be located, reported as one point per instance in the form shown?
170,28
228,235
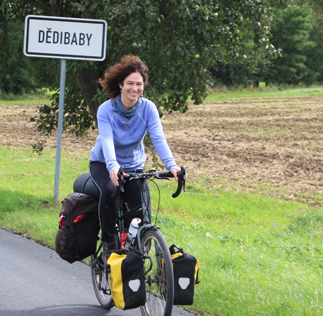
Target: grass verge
258,255
222,93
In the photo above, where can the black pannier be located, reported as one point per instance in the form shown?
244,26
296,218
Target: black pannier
79,227
185,268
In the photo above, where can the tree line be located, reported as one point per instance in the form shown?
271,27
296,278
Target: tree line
188,45
296,32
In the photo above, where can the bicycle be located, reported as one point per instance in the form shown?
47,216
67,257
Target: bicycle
150,242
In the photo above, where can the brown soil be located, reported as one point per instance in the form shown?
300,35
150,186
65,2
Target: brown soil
269,146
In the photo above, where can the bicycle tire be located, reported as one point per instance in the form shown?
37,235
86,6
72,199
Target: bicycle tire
100,283
160,280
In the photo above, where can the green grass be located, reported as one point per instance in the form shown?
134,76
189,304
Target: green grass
27,190
223,93
27,101
39,97
258,255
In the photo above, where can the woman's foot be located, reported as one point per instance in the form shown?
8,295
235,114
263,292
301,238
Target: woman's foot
108,248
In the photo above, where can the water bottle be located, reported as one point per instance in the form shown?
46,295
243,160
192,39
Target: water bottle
132,233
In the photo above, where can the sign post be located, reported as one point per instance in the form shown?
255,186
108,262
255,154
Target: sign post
59,130
64,38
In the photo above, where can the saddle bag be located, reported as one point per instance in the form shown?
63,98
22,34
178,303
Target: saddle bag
126,276
78,227
185,268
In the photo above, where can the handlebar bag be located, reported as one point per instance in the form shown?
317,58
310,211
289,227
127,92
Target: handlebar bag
79,227
185,268
126,276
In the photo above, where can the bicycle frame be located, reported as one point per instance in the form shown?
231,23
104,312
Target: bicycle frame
145,218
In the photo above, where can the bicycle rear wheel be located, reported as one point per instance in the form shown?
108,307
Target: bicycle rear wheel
160,279
100,283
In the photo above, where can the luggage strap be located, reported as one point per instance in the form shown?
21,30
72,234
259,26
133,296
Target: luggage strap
76,248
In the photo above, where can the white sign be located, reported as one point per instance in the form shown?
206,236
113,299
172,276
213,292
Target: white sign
65,38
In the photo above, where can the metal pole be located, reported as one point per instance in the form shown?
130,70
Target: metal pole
59,129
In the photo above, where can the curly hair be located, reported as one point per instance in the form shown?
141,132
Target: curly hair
118,72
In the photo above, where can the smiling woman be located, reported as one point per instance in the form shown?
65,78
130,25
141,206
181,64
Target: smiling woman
123,122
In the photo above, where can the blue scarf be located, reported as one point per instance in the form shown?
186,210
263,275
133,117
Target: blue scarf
127,115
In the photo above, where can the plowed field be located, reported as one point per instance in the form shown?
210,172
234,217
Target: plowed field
269,146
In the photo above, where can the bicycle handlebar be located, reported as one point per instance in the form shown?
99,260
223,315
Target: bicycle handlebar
152,174
181,182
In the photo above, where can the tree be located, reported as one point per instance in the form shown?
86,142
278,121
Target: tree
179,40
291,33
15,76
248,67
314,60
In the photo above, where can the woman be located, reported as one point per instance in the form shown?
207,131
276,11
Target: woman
123,122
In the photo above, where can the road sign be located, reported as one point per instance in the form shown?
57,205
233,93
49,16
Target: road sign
65,38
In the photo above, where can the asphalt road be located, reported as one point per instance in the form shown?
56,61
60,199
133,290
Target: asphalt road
35,281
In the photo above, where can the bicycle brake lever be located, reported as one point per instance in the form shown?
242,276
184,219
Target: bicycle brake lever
121,179
120,188
183,181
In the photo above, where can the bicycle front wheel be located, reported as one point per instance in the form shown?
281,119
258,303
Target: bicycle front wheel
160,279
100,282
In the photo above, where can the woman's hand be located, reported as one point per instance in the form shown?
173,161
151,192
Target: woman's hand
175,171
114,176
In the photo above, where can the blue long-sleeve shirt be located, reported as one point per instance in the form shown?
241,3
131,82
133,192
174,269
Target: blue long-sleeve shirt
120,142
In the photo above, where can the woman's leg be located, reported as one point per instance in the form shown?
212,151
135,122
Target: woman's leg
107,205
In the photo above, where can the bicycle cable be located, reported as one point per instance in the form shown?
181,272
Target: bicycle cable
158,205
